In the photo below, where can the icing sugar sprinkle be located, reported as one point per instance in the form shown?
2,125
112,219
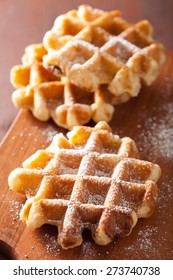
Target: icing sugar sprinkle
157,134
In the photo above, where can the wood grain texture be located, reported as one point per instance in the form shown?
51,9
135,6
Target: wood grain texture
25,22
148,120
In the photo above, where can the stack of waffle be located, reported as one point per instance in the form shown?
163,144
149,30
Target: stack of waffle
89,61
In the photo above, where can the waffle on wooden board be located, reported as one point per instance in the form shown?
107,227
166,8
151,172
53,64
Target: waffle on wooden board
90,61
90,180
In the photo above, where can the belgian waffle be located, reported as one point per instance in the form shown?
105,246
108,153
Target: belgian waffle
92,47
31,72
48,96
90,180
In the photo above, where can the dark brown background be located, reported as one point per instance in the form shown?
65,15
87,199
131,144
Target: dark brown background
25,22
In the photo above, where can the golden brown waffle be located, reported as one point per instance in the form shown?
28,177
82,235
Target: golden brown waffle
31,72
47,96
93,47
90,180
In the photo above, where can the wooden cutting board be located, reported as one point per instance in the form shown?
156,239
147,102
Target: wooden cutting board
148,119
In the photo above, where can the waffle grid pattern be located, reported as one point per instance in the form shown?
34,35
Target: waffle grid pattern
48,96
93,47
91,180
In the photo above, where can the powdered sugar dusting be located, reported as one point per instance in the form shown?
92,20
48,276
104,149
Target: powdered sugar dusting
156,136
155,141
15,208
52,247
143,246
152,237
49,132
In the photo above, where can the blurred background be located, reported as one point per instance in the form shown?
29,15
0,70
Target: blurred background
25,22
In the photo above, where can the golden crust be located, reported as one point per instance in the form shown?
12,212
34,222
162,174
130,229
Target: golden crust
91,179
93,47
